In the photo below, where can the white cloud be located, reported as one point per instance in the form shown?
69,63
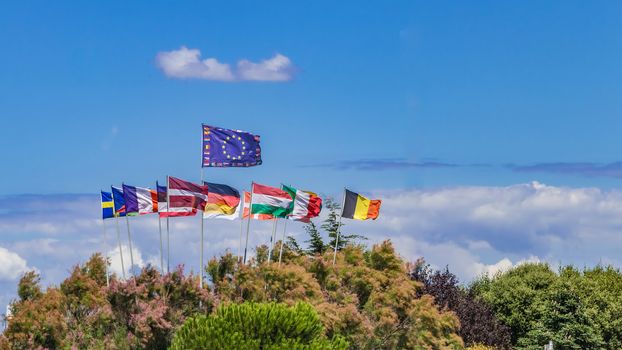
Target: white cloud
116,255
187,64
277,68
12,266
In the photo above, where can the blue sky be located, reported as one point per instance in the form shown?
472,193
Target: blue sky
512,107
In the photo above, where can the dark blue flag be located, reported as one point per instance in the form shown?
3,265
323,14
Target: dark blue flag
229,148
119,201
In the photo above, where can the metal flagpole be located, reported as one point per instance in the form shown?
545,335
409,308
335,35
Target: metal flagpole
129,238
116,221
168,249
161,245
168,242
272,239
106,252
202,224
241,229
248,223
282,242
339,226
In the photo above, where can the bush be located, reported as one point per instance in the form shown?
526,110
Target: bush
250,326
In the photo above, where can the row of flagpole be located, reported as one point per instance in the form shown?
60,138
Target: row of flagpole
201,272
241,257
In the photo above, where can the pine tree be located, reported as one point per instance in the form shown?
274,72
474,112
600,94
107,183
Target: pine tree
331,226
316,244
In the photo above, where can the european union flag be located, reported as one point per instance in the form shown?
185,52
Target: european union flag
229,148
107,206
119,201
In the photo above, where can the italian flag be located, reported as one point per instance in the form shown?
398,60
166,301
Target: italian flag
271,200
307,204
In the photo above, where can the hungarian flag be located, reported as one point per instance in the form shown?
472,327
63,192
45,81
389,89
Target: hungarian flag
139,200
271,200
247,203
222,202
358,207
307,204
185,197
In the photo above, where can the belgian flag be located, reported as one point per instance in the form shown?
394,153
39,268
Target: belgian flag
358,207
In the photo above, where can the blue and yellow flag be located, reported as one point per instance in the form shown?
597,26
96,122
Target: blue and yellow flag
107,205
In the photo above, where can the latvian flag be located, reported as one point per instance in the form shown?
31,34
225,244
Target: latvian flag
185,197
270,200
307,204
139,200
247,204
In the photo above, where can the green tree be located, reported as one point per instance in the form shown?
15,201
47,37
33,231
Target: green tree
316,243
250,326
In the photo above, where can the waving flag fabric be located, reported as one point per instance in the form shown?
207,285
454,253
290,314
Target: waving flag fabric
162,204
185,197
222,202
119,202
247,201
271,200
358,207
107,205
229,148
307,204
139,200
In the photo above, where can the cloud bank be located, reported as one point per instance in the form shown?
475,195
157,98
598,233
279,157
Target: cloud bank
187,64
472,230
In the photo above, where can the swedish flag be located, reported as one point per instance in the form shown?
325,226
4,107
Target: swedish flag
107,205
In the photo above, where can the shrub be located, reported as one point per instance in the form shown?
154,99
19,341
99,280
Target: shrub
250,326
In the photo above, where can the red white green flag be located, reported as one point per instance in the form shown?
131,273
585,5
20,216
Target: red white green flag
271,200
307,204
247,204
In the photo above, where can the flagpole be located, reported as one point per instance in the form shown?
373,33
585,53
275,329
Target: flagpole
106,252
129,238
272,238
282,241
168,214
202,225
248,224
116,221
161,245
339,226
241,229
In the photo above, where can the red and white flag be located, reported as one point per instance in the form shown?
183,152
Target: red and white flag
185,197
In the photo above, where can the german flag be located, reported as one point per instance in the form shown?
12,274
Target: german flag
358,207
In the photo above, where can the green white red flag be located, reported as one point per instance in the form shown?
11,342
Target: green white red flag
307,204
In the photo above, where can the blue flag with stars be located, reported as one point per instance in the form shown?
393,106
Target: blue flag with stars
229,148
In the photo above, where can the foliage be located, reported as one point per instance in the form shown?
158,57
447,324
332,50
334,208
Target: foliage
366,297
256,326
575,309
478,324
82,313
